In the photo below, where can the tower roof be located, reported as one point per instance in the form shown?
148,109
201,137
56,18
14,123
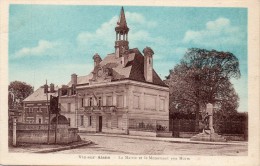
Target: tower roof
121,23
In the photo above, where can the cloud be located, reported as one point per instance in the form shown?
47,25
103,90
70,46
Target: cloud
180,50
100,41
217,32
44,47
103,38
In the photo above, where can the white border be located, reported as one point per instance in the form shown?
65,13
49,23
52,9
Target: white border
73,159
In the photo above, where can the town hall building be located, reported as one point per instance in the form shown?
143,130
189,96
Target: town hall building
123,92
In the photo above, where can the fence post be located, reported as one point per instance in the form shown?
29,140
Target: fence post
14,132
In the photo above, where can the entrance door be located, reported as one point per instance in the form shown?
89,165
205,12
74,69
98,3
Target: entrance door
100,124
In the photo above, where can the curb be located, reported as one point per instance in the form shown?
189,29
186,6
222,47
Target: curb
172,141
65,148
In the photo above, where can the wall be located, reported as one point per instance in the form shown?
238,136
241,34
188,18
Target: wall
148,95
33,111
35,133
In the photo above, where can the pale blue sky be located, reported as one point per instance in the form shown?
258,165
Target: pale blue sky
53,41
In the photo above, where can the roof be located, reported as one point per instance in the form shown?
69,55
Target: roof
121,23
39,95
134,69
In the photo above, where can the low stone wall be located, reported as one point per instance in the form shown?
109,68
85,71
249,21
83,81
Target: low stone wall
229,137
142,133
164,134
187,134
64,136
38,134
234,137
87,129
115,131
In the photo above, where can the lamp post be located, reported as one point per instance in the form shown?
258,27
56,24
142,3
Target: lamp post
49,120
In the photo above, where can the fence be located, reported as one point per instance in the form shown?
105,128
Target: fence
151,125
224,127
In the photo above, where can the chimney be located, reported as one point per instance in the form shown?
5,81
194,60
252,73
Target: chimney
52,88
74,79
45,88
124,60
97,59
148,64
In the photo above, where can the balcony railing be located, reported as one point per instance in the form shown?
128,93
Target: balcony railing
104,109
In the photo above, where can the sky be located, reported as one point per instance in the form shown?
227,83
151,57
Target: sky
53,41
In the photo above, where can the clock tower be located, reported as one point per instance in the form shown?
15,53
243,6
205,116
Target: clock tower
121,43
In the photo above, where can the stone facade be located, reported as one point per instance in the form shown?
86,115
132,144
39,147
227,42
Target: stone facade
35,106
122,87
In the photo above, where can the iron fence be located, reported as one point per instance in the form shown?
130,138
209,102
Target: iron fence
149,125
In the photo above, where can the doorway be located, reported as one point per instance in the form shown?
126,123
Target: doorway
100,124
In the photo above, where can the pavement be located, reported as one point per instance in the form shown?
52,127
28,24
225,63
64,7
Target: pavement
36,148
105,144
169,139
44,148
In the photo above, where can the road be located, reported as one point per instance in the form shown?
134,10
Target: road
119,145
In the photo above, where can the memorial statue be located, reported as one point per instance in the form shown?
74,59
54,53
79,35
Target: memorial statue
208,133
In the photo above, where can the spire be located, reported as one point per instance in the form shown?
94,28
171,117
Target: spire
121,43
121,23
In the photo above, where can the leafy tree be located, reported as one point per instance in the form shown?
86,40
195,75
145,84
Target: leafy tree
17,92
203,77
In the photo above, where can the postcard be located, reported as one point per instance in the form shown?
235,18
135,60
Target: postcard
129,83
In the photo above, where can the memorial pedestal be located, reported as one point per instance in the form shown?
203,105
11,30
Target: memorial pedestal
208,136
209,133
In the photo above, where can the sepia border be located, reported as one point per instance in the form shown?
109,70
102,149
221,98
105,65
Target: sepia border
73,159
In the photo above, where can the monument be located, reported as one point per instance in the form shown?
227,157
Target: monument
208,133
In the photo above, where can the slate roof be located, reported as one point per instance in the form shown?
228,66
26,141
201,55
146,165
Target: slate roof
39,95
134,69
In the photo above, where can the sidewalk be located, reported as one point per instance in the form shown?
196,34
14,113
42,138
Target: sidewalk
38,148
173,140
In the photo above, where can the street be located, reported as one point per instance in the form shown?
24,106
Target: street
105,144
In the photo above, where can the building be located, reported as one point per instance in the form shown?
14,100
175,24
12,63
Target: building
123,91
35,106
15,113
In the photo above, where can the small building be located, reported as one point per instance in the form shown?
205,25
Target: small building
35,106
122,92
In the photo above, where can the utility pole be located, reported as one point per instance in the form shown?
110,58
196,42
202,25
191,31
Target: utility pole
48,110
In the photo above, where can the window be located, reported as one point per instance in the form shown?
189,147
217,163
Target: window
109,101
69,107
82,102
136,101
73,89
81,120
150,102
69,121
99,101
119,122
26,110
46,120
90,101
44,110
30,110
90,121
64,92
161,104
120,101
40,121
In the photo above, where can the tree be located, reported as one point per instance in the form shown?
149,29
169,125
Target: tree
203,77
17,92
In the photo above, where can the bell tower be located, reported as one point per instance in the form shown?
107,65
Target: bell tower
121,43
